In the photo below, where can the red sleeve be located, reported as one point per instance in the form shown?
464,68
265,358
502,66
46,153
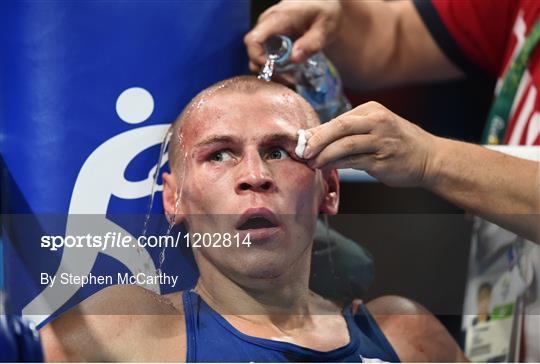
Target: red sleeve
478,29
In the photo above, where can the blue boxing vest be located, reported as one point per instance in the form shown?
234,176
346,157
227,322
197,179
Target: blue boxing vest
211,338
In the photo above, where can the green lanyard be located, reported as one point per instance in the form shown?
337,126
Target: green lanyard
499,114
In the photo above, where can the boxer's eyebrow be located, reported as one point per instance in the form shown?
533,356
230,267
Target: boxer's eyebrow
217,139
279,138
232,139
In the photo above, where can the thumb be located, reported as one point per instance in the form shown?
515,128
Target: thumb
308,44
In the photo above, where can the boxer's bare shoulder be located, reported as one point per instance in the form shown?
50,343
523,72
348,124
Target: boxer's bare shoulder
415,333
118,323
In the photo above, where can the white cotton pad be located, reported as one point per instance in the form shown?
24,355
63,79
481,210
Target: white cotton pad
301,144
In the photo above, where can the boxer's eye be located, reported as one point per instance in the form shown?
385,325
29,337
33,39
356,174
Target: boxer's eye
220,156
277,153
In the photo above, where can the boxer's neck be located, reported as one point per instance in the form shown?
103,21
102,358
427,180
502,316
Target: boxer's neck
287,294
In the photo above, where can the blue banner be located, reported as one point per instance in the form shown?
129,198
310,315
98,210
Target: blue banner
87,92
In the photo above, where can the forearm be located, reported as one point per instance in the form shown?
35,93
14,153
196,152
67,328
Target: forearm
385,43
495,186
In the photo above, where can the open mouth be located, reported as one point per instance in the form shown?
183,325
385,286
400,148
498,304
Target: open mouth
257,222
258,218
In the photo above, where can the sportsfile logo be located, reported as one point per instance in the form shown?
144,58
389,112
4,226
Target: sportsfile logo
112,240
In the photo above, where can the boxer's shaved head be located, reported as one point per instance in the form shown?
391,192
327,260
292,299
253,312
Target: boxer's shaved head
200,107
232,155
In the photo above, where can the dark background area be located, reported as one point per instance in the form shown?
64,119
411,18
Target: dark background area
419,242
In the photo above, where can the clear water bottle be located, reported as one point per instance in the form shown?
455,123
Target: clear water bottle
317,80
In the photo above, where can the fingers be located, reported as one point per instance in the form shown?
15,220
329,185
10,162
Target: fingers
345,125
310,43
338,151
363,162
312,22
254,42
278,23
255,68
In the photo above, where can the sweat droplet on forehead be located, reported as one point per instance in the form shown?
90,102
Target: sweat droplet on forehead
200,103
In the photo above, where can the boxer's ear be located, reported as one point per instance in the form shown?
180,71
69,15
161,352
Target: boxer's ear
330,202
171,206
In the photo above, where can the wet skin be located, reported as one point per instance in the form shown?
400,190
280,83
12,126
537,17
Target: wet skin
241,153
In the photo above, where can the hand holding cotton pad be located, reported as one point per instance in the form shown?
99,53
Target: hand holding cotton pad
301,144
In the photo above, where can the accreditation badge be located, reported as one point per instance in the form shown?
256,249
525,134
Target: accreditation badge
499,276
489,341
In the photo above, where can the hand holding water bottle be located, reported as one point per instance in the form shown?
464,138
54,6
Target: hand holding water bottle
374,139
313,23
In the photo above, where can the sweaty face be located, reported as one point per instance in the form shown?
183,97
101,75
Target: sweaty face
242,177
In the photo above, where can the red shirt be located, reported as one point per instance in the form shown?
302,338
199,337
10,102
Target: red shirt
484,36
